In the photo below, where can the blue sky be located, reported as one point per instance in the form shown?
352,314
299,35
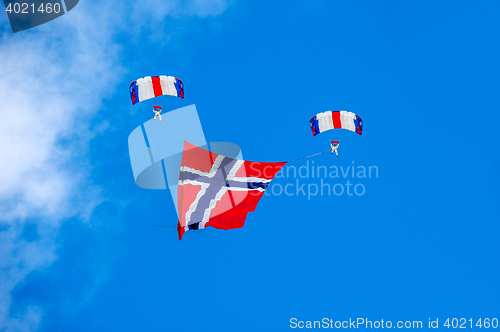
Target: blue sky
80,249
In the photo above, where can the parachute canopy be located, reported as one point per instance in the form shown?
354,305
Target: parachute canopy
155,86
336,120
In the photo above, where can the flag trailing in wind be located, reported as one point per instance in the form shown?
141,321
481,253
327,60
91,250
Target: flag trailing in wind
218,191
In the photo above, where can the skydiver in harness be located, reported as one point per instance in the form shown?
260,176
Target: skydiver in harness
157,111
335,146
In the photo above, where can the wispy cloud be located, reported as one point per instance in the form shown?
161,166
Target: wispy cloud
43,168
154,11
18,258
51,86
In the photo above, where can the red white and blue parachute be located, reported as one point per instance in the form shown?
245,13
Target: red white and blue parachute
336,120
155,86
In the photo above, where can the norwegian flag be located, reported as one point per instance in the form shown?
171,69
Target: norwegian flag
218,191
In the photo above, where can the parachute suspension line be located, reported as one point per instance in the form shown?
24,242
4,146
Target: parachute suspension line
309,156
175,131
316,154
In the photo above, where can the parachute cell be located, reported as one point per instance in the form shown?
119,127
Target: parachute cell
336,120
155,86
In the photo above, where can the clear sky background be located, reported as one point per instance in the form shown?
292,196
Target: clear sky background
82,248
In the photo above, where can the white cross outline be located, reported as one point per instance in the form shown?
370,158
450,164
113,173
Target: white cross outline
204,186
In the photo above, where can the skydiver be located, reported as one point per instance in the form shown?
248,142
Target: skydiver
335,146
157,110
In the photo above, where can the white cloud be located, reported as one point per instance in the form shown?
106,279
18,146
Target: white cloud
28,321
51,85
18,258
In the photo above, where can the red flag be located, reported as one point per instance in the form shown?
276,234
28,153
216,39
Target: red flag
218,191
